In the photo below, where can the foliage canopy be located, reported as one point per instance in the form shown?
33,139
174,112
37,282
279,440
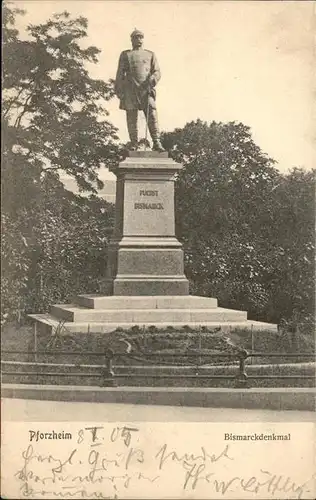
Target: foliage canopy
54,119
248,230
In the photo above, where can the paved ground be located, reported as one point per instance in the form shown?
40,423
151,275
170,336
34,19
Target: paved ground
41,411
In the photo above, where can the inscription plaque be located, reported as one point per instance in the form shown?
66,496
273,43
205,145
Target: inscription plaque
149,210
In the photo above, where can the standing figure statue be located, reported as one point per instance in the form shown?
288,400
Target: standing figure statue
137,75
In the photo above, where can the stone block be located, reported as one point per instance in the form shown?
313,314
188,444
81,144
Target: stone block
74,313
148,208
150,261
145,257
147,154
219,314
151,286
94,301
50,323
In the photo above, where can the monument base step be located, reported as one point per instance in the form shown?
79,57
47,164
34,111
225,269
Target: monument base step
51,325
97,301
93,313
77,314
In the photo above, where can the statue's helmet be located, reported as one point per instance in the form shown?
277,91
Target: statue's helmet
137,33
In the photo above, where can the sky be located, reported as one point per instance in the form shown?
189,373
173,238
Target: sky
243,61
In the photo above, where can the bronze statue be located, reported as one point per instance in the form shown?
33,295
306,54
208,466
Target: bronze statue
137,75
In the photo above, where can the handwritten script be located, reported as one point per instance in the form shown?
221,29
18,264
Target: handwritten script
108,462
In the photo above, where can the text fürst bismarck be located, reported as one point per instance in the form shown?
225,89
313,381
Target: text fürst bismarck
148,206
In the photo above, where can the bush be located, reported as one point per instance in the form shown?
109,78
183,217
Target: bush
64,254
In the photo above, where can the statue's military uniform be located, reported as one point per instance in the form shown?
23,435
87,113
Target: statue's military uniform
137,74
136,70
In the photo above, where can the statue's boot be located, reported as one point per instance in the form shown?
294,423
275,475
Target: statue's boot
154,129
131,118
157,146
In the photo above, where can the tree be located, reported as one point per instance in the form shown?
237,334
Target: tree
54,118
231,217
53,111
293,280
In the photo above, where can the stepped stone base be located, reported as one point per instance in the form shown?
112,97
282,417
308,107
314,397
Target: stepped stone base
101,314
144,283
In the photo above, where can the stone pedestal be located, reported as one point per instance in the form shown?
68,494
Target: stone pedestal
145,257
145,282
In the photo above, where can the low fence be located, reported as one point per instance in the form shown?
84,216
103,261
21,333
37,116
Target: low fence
109,377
